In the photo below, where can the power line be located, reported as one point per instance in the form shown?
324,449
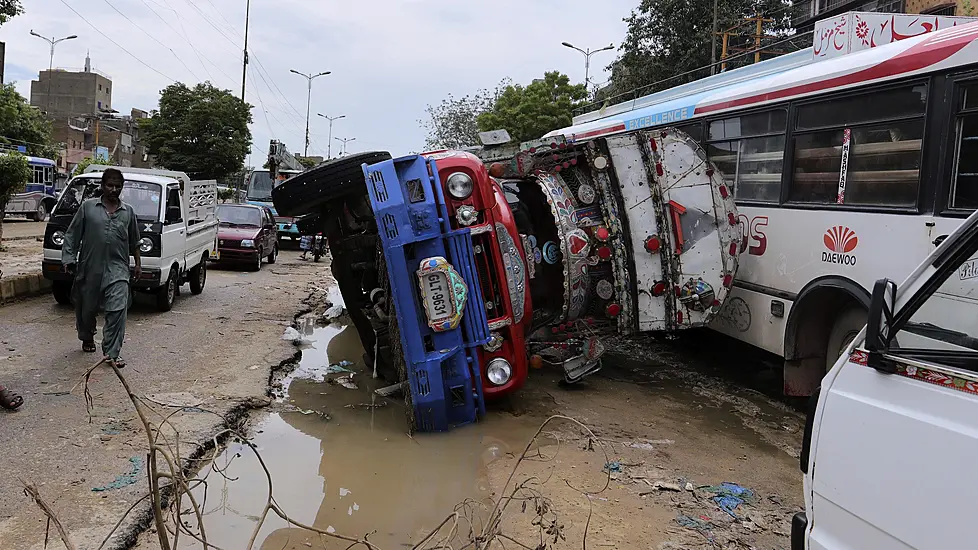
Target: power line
221,15
211,23
187,38
120,46
133,23
262,68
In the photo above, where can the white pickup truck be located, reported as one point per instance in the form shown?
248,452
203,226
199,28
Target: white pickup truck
177,228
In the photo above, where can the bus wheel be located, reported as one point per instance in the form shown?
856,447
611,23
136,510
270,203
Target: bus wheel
845,329
41,214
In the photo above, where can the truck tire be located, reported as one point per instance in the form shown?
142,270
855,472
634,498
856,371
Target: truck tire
198,276
273,255
306,192
167,293
41,214
846,327
62,292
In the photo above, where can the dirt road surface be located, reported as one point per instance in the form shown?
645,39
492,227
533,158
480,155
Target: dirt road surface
22,245
665,444
214,350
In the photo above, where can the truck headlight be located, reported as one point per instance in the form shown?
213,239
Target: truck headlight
499,371
58,238
460,185
145,245
466,215
248,243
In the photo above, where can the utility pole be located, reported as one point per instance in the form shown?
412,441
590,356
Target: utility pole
244,61
713,46
587,58
329,143
759,21
345,141
309,79
53,43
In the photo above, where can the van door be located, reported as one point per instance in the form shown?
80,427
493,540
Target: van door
894,445
174,240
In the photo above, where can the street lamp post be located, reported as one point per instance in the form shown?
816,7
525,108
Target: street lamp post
329,142
309,79
53,42
345,141
587,58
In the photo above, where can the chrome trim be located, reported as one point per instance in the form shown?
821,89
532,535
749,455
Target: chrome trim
515,271
500,323
480,229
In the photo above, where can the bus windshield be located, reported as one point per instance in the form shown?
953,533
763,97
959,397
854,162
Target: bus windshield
144,197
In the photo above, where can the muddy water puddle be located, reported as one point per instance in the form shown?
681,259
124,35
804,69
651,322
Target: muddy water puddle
341,458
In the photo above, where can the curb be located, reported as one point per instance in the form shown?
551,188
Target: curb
21,286
39,238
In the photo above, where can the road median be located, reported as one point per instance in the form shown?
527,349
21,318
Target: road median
22,286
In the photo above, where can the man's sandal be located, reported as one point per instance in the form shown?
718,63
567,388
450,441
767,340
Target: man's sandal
89,346
10,400
119,362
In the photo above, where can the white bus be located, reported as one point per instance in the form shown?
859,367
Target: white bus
844,171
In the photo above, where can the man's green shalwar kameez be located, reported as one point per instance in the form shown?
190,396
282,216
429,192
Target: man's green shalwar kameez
103,243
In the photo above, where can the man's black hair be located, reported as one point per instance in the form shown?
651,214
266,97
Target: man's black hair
112,174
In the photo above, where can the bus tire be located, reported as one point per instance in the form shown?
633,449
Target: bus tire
41,214
844,330
305,193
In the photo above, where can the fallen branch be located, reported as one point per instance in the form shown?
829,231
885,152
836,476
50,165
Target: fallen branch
31,491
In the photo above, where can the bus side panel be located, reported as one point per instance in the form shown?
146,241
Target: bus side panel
626,156
747,316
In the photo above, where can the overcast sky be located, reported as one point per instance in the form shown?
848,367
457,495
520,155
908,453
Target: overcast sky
389,58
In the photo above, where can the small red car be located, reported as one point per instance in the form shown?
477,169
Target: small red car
247,233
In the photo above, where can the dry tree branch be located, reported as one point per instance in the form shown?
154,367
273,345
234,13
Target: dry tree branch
31,491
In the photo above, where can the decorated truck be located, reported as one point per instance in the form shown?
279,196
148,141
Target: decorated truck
461,272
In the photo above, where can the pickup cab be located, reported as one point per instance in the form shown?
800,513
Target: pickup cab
177,228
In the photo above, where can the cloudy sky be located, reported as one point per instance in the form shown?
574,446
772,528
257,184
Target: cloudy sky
389,58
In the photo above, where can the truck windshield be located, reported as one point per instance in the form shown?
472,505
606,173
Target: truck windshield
260,186
144,197
238,215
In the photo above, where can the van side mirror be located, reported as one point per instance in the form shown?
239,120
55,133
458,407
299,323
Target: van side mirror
173,213
880,323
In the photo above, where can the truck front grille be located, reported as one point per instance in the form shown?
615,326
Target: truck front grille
489,280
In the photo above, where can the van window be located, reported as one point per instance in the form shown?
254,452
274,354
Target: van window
860,150
964,186
173,211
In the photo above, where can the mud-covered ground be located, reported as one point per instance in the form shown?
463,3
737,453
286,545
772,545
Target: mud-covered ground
672,454
21,249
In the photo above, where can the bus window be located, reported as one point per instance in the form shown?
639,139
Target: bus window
862,160
749,151
694,130
964,189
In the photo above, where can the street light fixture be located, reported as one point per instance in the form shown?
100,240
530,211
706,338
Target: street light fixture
345,141
53,42
309,78
587,58
329,143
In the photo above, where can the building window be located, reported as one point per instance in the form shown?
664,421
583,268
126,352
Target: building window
860,150
749,151
943,9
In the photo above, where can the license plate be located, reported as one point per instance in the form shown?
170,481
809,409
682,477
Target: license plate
443,293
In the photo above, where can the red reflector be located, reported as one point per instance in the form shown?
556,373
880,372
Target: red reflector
558,168
566,164
533,150
731,218
709,172
733,249
553,330
613,310
659,289
654,145
727,280
563,145
678,290
652,244
716,303
602,234
555,157
658,168
563,326
663,134
574,162
723,191
679,317
604,252
553,145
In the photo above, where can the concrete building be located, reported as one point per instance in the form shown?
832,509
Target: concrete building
805,13
119,136
64,93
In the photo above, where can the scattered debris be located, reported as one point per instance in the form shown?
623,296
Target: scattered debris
339,367
126,479
380,405
177,400
388,391
612,467
346,381
702,526
729,496
344,491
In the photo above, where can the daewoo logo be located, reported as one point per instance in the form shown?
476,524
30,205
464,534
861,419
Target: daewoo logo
840,242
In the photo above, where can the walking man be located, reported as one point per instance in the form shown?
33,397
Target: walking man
101,238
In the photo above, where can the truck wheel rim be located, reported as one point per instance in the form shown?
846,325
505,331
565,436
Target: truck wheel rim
202,276
170,289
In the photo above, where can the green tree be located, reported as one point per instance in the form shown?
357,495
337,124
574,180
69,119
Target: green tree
667,38
452,123
202,131
529,112
81,166
14,172
8,9
21,124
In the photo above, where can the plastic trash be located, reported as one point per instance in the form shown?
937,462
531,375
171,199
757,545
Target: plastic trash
124,480
347,382
291,334
339,367
729,496
612,467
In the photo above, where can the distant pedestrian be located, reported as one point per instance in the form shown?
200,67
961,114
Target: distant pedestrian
305,244
101,238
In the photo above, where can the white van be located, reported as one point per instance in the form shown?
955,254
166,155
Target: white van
892,437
